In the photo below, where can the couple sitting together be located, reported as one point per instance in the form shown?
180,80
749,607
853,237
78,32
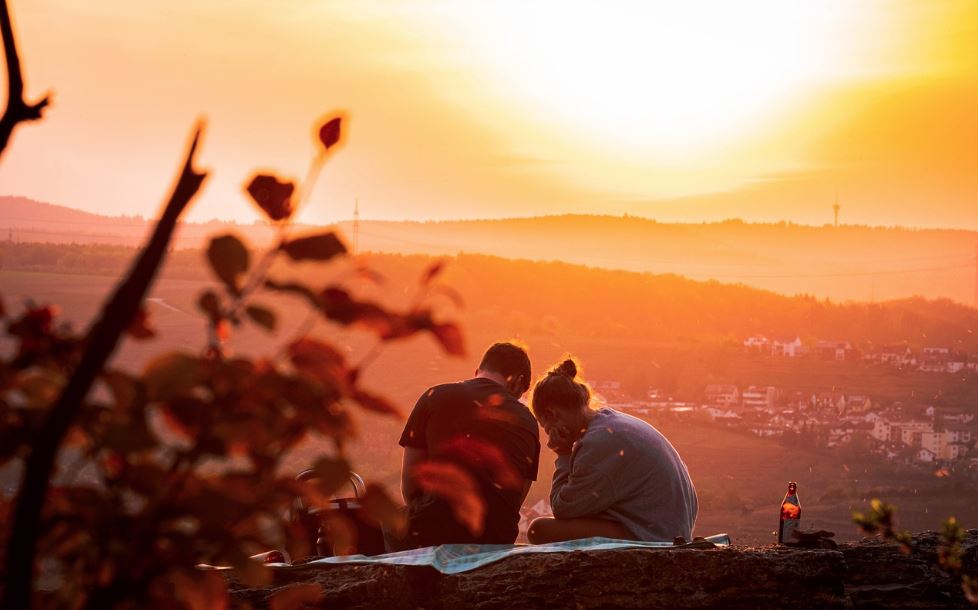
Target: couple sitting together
616,476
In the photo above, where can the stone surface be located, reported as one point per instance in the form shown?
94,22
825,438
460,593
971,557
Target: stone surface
861,576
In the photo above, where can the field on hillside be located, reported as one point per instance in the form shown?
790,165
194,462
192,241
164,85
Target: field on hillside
740,478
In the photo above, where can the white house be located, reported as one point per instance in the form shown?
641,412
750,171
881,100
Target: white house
759,397
788,349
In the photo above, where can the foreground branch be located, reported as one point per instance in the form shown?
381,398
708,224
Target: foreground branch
100,343
18,110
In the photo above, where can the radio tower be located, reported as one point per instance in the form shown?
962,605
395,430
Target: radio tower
835,208
356,226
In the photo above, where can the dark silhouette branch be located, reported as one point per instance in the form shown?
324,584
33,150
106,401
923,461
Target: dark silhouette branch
18,110
100,343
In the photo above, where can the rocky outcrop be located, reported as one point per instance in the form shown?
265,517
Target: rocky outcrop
865,575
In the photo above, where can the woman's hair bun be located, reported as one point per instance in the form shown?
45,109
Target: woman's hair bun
568,367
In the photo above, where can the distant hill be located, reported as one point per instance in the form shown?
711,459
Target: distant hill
848,262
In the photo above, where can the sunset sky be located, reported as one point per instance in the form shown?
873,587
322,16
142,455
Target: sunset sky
758,109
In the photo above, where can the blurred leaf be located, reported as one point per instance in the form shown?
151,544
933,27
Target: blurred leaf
261,316
458,488
318,360
370,275
331,474
478,455
3,310
339,306
39,387
296,597
320,247
340,533
432,272
452,294
450,338
272,195
184,415
375,403
295,288
251,572
210,303
229,259
330,132
204,590
970,587
140,327
378,504
170,375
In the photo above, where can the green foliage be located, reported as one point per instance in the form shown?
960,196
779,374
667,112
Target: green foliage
187,455
881,520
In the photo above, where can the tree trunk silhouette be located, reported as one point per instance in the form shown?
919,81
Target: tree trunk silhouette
100,343
18,110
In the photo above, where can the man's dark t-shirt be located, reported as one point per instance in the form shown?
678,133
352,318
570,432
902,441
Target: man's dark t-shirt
479,426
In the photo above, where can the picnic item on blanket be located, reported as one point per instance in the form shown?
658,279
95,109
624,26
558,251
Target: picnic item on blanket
367,534
456,558
790,514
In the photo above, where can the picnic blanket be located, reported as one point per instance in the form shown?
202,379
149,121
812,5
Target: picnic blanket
456,558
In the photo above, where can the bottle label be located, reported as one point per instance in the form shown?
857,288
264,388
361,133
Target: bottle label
788,526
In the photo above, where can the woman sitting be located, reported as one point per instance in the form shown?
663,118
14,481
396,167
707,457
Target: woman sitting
616,475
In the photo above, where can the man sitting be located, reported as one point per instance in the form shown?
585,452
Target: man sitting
480,426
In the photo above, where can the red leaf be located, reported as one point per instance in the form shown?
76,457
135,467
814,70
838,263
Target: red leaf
378,504
295,288
375,403
340,307
330,132
450,338
210,303
458,488
262,316
140,327
170,375
272,195
481,455
204,590
318,360
432,272
321,247
229,258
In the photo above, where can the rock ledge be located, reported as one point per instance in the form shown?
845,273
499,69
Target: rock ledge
863,575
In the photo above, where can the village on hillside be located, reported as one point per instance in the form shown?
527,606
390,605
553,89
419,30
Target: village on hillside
918,434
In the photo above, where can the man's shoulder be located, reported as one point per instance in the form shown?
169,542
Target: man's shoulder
440,394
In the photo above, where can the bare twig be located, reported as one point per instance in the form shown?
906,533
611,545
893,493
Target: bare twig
18,110
101,342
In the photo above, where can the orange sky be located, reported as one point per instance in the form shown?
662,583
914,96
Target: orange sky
761,109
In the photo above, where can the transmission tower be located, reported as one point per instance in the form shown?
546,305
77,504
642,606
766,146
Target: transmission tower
835,208
356,226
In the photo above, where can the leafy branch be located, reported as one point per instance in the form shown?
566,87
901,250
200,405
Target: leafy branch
880,521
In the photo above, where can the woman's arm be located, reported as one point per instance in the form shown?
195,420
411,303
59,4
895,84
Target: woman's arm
587,482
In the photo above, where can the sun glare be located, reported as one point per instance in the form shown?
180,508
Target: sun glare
664,80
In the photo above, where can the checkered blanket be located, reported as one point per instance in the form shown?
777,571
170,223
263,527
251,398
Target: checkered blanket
455,558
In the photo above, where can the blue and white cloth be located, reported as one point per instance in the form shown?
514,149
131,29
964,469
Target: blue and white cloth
456,558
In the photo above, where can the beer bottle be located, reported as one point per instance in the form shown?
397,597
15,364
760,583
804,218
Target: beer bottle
790,514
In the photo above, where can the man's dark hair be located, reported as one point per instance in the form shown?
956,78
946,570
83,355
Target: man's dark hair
507,359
